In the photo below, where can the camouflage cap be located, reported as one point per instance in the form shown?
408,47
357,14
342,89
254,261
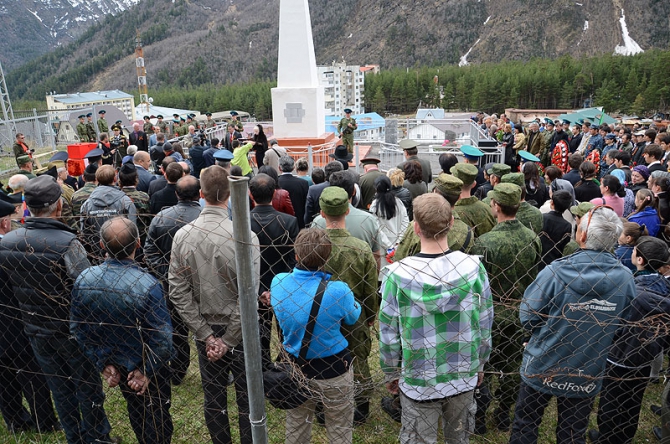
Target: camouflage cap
499,169
466,172
515,178
334,201
448,184
581,209
22,160
506,194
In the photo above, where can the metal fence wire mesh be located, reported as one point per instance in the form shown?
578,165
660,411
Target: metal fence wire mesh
117,324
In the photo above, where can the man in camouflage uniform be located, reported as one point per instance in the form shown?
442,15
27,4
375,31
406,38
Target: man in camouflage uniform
528,215
471,210
510,253
234,120
345,130
210,123
128,179
148,127
82,131
460,236
82,194
162,124
547,136
90,128
102,123
352,261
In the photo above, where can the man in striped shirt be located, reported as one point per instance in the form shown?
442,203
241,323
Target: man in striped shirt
435,329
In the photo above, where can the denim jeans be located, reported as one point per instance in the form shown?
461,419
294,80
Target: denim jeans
76,388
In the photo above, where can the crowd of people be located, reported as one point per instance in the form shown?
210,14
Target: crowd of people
503,284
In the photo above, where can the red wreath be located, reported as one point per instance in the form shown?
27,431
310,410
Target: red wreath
559,157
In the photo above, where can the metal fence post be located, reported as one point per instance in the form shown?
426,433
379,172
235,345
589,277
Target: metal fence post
248,307
310,157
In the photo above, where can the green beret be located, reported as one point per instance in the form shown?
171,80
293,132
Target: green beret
334,201
506,194
515,178
499,169
448,184
466,172
581,209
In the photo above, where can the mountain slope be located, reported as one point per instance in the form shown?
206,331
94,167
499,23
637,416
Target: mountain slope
190,42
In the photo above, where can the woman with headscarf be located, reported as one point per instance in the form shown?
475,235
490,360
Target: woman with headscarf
639,178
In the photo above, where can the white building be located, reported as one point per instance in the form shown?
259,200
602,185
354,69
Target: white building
343,87
124,102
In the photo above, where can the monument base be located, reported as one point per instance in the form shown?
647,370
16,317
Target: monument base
298,112
321,147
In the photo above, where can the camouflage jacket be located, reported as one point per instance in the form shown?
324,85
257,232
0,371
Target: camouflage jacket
144,216
530,217
475,214
351,261
80,196
510,252
457,238
102,126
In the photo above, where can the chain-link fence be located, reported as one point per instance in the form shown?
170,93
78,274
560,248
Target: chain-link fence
457,338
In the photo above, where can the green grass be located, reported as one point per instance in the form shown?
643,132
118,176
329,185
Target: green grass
190,428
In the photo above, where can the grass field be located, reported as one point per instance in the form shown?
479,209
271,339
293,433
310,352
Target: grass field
189,422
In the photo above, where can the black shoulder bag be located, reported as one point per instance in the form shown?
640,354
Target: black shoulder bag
284,384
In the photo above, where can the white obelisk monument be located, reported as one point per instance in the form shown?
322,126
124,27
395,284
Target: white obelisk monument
298,108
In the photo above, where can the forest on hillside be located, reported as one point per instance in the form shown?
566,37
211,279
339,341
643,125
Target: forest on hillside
620,84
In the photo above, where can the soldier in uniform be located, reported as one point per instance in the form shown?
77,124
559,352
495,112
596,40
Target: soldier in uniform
82,194
411,151
190,121
102,123
161,124
528,215
510,253
473,155
210,123
547,136
182,128
148,127
90,128
367,180
346,128
460,236
118,144
471,210
234,120
495,172
351,261
82,131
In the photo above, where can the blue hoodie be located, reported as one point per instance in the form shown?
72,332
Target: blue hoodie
572,309
649,218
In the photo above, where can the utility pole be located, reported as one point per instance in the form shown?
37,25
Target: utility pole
7,121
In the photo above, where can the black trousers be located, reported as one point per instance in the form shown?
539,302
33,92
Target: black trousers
573,417
149,413
214,384
620,402
21,376
182,349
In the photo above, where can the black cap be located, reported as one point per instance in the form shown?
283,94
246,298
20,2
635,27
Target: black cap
89,115
6,208
14,199
159,116
208,114
146,117
60,155
128,168
42,191
91,168
102,111
167,146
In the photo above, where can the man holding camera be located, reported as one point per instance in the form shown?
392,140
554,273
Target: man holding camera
118,145
21,149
